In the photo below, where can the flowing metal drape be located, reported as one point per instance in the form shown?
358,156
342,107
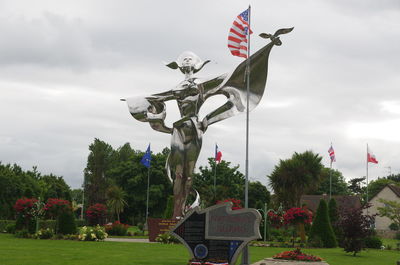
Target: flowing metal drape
190,94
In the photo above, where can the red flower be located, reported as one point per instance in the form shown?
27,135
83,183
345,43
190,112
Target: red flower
237,204
24,206
297,215
54,207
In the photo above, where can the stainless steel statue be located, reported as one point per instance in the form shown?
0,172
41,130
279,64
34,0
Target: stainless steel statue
190,94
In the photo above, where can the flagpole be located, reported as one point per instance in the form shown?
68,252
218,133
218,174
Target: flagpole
215,172
245,255
147,200
367,177
330,178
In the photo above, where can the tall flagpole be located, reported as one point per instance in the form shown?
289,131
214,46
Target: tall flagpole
367,177
147,200
245,255
330,178
215,172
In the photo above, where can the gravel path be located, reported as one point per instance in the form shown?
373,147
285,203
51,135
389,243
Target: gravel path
132,240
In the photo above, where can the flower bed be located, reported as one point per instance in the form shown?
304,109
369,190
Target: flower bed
296,255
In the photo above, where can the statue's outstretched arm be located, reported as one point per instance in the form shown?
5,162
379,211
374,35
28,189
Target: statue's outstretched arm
151,109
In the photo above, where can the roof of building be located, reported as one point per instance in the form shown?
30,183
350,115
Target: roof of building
343,201
392,187
395,189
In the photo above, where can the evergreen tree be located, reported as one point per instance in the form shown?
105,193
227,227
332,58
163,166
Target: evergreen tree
334,217
321,228
170,207
66,223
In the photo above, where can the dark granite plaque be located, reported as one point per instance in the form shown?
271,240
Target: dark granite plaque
217,233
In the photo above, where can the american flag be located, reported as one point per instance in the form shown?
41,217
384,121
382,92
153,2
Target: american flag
237,38
332,154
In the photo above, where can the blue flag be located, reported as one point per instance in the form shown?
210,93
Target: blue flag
146,158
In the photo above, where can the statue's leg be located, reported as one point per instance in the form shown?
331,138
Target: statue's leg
185,149
179,196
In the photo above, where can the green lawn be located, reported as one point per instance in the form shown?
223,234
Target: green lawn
15,251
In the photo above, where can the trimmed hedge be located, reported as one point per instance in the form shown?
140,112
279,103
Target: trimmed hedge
80,222
321,228
4,224
373,242
66,223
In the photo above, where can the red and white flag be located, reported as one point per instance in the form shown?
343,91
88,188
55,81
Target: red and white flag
237,38
332,154
371,157
218,154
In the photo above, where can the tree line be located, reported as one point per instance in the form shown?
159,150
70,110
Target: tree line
115,177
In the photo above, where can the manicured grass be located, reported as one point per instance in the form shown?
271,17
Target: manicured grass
15,251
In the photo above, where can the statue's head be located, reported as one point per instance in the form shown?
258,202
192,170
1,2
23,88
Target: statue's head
188,62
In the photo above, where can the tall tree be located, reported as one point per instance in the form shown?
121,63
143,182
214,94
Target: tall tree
339,185
321,228
258,195
99,161
355,185
229,182
296,176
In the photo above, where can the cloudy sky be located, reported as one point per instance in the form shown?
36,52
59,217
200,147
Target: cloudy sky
64,65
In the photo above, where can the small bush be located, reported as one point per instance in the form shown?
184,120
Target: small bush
44,224
80,222
44,234
373,242
117,229
88,233
66,223
166,239
315,242
71,237
397,236
10,228
394,227
24,233
4,224
140,226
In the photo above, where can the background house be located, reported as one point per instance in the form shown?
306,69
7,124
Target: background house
389,192
342,201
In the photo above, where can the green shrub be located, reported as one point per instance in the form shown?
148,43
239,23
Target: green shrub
394,227
10,228
170,207
397,236
44,234
373,242
166,239
80,222
4,224
88,233
322,227
140,226
66,223
44,224
23,233
25,223
117,229
315,242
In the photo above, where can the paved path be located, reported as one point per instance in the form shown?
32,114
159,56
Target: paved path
270,261
132,240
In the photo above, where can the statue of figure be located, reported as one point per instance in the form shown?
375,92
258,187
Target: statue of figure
190,94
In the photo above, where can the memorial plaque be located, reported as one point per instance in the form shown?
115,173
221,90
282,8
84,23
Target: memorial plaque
159,226
218,234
